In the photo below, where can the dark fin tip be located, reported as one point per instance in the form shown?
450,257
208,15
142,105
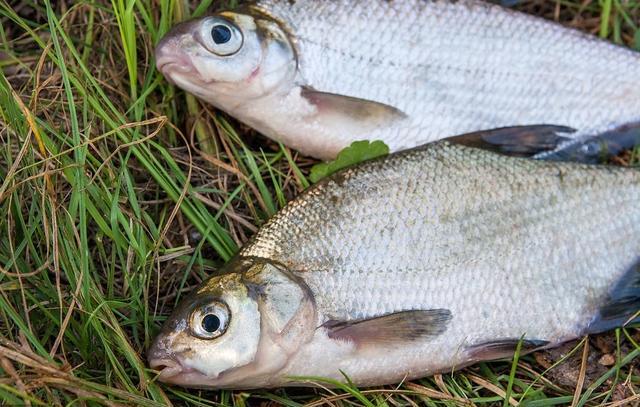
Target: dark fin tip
621,305
517,141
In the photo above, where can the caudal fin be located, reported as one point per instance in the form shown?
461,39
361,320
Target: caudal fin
622,307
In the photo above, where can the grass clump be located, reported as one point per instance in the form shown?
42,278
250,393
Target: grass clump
118,193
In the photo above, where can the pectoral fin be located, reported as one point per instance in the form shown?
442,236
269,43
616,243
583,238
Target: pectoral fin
519,141
348,114
399,327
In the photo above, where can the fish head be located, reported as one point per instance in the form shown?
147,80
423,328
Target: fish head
237,330
228,58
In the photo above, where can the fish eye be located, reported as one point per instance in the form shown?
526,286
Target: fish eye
210,321
221,34
221,37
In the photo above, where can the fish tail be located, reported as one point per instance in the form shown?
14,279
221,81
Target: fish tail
622,305
598,148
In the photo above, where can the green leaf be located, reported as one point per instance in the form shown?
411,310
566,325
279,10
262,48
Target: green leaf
357,152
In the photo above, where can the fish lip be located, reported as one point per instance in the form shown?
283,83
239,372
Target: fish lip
167,367
166,65
171,371
162,359
170,366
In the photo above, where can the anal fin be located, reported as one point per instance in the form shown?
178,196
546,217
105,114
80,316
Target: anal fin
504,348
399,327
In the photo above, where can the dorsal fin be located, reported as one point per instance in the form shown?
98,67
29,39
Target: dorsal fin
518,141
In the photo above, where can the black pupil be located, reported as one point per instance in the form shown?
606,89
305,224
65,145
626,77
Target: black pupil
210,323
221,34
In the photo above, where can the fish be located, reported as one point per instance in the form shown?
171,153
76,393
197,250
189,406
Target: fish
420,262
318,75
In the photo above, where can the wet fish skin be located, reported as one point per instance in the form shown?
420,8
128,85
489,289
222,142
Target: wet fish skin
321,74
421,262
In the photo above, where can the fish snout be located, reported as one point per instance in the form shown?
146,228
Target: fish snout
172,369
161,358
171,57
168,368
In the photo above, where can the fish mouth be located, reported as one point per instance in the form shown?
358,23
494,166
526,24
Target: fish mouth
172,69
168,65
166,362
171,369
173,372
168,368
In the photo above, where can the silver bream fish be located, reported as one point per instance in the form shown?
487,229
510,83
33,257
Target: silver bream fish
318,75
424,261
